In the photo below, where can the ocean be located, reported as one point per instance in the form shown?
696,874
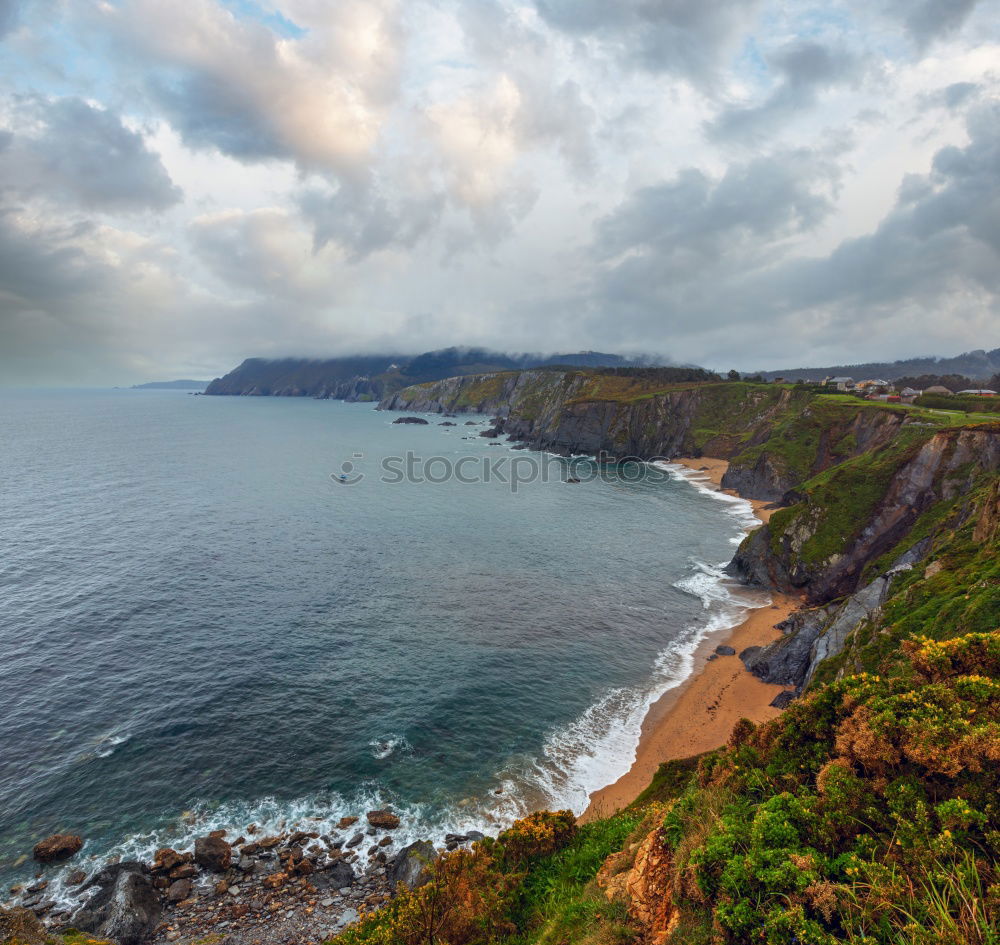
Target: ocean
203,627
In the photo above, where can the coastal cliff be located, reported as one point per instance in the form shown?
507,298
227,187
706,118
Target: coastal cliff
863,489
868,811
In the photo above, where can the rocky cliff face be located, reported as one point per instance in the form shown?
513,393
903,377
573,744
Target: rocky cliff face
816,545
856,481
774,437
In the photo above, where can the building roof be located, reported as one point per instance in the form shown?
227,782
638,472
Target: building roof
983,392
937,389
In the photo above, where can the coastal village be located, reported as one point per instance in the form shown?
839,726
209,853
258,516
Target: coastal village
879,389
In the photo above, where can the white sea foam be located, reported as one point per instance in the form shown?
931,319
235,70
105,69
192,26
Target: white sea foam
388,745
600,746
107,744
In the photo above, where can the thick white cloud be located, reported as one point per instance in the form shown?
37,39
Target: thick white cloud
318,99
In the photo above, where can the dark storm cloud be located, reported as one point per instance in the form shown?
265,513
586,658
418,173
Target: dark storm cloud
695,221
695,256
69,150
67,301
806,70
928,20
682,37
941,237
10,15
362,220
959,93
209,112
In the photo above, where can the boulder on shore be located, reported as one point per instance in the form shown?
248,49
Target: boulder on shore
179,890
411,866
213,853
125,906
725,650
60,846
384,819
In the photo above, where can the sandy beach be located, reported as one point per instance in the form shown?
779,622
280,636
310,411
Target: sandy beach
699,715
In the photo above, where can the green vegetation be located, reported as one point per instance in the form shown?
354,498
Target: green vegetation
978,405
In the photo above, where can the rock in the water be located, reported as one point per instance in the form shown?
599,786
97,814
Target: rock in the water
384,819
491,432
213,853
21,927
420,420
179,890
125,906
470,423
783,699
345,822
59,846
411,865
446,423
355,840
725,651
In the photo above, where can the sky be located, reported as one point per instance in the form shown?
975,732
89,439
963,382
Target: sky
754,184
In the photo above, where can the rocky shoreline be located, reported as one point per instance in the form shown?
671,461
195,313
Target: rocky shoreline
298,887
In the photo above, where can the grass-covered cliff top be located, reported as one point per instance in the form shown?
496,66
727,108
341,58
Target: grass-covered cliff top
635,385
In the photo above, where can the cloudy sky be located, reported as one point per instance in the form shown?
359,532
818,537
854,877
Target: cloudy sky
748,183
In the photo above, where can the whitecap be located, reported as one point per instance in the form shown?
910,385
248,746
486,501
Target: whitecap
388,745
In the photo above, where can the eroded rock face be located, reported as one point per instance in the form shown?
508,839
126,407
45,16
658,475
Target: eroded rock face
21,927
645,887
60,846
125,906
213,853
941,469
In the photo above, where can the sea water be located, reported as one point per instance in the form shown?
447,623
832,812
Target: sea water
203,627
